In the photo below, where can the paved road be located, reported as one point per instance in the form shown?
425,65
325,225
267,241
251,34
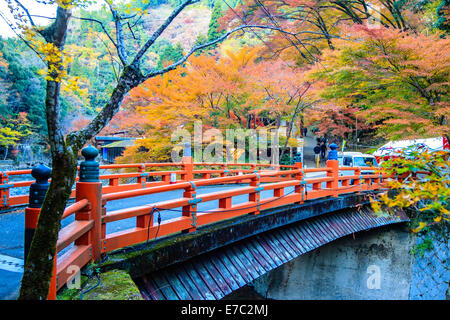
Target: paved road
12,230
308,150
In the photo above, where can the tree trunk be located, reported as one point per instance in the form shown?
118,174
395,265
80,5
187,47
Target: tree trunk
39,263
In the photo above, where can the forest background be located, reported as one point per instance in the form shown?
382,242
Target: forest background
353,70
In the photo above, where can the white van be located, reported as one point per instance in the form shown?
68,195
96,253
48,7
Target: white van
356,159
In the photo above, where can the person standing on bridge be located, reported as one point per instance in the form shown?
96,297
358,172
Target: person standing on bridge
317,153
323,150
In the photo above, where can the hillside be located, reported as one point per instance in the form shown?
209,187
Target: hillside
184,29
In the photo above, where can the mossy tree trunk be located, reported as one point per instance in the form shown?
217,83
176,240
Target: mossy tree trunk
64,150
39,263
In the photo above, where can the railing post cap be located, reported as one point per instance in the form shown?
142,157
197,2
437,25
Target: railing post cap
39,188
89,153
89,169
41,173
298,157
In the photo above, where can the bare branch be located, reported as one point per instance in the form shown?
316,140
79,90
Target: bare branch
102,25
120,45
224,36
160,30
20,36
26,12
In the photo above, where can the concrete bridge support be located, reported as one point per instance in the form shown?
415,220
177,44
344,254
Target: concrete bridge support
375,264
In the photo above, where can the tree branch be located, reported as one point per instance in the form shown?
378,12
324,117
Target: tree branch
120,45
160,30
27,13
225,35
102,25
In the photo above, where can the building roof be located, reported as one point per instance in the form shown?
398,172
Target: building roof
119,144
111,138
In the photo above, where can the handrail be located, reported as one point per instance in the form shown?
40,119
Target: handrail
77,206
73,232
7,200
203,182
178,186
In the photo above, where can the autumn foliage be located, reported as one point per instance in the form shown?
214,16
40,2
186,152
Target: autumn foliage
398,80
219,91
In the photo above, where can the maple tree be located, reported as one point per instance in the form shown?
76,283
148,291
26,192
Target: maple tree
312,26
227,90
170,101
399,80
342,123
282,92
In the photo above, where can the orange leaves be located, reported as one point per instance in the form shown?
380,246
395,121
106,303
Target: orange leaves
205,85
219,91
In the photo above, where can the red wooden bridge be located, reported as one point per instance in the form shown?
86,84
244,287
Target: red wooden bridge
85,239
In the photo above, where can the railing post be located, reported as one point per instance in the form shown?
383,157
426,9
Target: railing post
165,178
299,176
37,193
255,196
377,181
225,169
357,181
206,175
188,168
225,203
333,163
89,187
187,164
142,178
4,190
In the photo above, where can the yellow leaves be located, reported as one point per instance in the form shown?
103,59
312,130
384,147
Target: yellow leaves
293,142
67,4
55,59
445,211
376,205
9,136
394,184
426,193
75,87
420,227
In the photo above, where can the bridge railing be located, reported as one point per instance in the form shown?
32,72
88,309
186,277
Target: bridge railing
86,238
187,206
143,175
78,234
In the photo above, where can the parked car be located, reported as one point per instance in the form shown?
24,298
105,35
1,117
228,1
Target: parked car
356,159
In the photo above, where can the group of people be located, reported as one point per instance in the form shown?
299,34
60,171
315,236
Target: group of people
320,150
